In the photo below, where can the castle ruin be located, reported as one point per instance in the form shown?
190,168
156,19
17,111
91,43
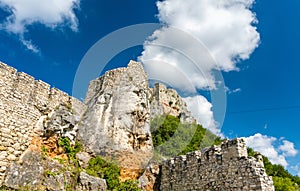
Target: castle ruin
225,167
31,110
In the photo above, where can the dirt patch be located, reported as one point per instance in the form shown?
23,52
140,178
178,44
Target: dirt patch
48,146
132,164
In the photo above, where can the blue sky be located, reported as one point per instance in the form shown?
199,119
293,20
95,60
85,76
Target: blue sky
262,91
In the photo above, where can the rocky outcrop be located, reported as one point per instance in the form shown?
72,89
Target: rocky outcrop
150,179
166,101
117,120
62,121
25,173
90,183
35,172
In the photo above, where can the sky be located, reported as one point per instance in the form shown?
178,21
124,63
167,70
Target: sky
235,62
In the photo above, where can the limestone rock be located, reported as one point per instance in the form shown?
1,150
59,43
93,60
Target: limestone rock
150,179
55,182
167,101
118,115
33,172
90,183
83,159
28,173
62,121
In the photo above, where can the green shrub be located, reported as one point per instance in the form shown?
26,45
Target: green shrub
284,184
170,137
71,151
109,171
128,185
72,162
44,151
101,168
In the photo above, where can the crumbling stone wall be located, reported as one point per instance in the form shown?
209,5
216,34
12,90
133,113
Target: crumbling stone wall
23,101
217,168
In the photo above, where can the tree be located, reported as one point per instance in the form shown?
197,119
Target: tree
171,137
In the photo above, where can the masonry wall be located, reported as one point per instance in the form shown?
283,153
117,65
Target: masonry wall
23,100
218,168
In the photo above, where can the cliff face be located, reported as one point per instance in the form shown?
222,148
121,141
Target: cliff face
117,120
114,122
167,101
118,113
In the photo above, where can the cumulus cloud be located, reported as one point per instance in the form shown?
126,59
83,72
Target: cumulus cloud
267,146
223,27
197,39
288,148
201,109
51,13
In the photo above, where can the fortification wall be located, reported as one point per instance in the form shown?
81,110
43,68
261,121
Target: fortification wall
23,100
218,168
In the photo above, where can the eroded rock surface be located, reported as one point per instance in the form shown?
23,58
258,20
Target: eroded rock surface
34,172
117,121
90,183
167,101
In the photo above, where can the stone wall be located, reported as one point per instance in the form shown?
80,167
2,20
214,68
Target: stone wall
23,101
225,167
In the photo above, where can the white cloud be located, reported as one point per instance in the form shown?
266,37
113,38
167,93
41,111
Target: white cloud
199,37
224,27
229,91
267,146
201,109
288,148
51,13
29,45
296,168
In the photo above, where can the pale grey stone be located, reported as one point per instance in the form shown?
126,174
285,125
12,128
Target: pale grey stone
118,115
90,183
83,159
